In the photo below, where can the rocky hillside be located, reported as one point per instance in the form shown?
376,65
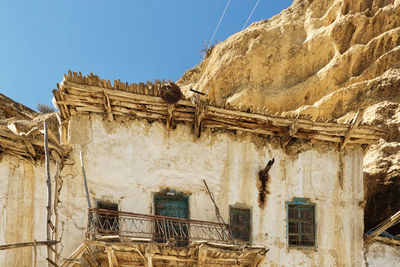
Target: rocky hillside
325,59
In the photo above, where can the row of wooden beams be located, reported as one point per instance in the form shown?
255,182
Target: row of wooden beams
202,257
115,102
316,126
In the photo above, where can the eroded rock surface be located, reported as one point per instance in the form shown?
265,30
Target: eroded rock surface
325,59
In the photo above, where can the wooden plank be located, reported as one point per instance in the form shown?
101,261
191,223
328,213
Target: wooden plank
170,115
387,240
29,147
389,222
173,258
354,124
34,263
48,182
112,260
107,106
27,244
78,252
91,256
51,262
198,117
202,256
89,260
293,128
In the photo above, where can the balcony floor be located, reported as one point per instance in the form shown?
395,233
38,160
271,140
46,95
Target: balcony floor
151,254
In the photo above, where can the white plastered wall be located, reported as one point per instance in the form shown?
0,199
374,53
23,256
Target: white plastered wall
126,162
23,200
379,254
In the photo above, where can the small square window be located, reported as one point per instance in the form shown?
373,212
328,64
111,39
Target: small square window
239,220
107,222
301,223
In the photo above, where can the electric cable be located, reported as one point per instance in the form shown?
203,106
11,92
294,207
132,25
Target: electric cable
251,14
219,22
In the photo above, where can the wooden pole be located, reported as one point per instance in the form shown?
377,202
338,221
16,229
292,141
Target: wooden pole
55,208
389,222
27,244
47,166
219,217
34,253
356,121
84,180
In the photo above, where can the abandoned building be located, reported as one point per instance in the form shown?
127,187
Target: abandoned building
142,176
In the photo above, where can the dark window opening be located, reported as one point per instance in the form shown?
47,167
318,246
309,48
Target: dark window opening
176,206
301,225
239,221
108,223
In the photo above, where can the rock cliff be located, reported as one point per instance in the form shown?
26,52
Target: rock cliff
324,59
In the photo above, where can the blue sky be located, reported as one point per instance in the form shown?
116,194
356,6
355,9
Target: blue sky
130,40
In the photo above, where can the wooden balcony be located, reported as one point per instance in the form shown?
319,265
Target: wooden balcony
116,238
161,229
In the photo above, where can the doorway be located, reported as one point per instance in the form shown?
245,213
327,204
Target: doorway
172,205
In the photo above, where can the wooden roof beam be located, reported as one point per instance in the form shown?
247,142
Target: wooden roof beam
356,121
107,107
292,130
198,117
170,115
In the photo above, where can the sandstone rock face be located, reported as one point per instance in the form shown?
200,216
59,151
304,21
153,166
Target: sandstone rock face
324,59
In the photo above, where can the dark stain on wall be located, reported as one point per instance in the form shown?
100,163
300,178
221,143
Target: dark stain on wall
262,184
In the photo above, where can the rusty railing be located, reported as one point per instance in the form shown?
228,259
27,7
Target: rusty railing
157,228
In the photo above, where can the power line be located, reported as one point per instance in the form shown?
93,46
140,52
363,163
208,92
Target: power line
219,22
251,13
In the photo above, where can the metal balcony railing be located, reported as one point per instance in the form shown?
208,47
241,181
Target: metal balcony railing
157,228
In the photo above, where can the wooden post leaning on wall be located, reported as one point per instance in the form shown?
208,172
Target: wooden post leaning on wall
48,182
57,188
49,224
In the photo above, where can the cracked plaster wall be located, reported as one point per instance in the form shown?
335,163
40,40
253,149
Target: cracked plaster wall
127,161
23,200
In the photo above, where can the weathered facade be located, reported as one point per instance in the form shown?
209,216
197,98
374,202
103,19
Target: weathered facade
290,188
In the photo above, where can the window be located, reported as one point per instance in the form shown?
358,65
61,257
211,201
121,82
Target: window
108,222
239,221
301,223
171,204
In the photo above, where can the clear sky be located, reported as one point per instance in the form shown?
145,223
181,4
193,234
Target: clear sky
130,40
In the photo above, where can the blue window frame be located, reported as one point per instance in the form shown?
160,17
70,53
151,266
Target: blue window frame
301,226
